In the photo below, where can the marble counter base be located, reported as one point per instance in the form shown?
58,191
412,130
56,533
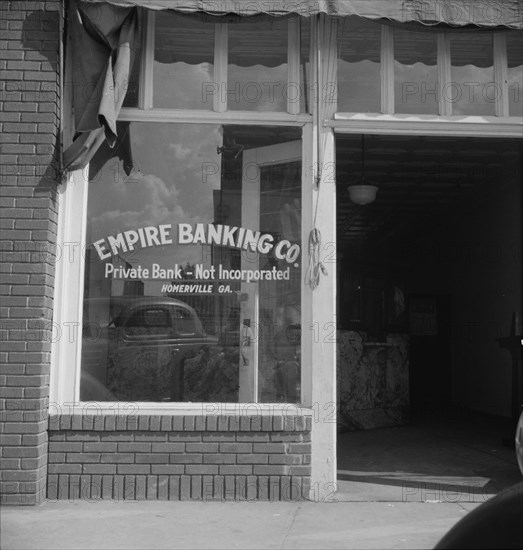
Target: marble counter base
373,381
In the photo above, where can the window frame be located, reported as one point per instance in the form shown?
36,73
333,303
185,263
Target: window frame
68,313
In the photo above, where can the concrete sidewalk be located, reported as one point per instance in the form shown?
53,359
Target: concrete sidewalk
401,487
169,525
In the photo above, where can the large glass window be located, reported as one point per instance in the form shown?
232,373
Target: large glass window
193,268
359,84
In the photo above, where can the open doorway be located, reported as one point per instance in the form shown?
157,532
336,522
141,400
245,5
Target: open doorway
429,300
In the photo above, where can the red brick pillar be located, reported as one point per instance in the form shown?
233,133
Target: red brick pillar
30,35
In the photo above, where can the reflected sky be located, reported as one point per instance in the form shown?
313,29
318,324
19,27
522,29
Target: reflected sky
176,170
183,86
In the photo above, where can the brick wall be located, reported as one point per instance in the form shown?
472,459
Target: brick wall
29,130
179,457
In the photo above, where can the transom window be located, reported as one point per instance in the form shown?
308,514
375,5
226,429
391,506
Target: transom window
191,62
392,69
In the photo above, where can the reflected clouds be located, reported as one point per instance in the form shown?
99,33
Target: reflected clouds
168,185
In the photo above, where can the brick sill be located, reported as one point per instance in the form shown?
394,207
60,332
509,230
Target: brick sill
178,409
105,419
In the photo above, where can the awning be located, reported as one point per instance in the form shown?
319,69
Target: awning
485,13
104,35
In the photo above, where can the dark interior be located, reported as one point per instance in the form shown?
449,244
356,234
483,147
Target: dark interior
422,181
444,232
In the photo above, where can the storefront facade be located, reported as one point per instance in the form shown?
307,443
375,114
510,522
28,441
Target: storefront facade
172,257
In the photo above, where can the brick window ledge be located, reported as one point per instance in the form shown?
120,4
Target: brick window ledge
107,420
179,456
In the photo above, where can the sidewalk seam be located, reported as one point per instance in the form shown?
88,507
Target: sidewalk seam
294,515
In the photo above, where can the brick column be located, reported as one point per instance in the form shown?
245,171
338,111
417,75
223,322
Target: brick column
30,35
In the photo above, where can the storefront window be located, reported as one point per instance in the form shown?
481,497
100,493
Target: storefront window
257,73
359,88
193,268
415,72
472,90
183,63
515,73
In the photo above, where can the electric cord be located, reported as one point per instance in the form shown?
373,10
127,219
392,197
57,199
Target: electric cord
315,266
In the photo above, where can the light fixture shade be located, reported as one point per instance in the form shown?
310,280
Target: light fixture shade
362,194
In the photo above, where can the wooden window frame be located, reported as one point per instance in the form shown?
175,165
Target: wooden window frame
68,311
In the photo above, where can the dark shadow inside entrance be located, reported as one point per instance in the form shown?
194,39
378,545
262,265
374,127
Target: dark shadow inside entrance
429,294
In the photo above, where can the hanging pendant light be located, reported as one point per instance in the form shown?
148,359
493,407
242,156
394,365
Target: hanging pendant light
362,193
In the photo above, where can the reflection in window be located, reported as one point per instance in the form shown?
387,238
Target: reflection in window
515,73
359,86
169,315
183,62
472,90
257,72
149,318
415,72
280,212
187,324
148,322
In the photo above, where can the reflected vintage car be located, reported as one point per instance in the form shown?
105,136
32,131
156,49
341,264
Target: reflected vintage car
140,350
